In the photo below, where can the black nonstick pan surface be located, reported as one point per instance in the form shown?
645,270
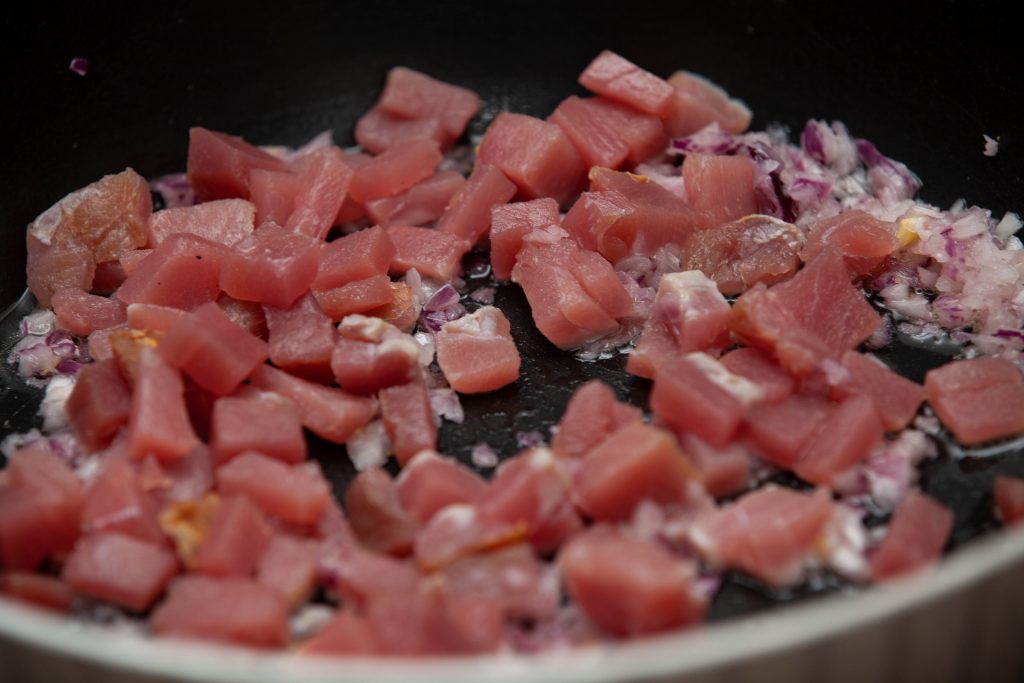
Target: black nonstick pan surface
923,86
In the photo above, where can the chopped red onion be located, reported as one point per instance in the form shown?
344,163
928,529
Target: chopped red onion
445,404
483,295
79,65
369,447
441,308
890,180
529,439
174,189
52,407
991,146
483,456
38,323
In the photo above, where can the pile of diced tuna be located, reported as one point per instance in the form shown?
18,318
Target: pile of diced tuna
221,330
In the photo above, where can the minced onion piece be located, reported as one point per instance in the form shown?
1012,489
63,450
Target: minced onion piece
174,189
991,146
79,65
369,447
483,295
529,439
52,407
38,323
483,456
445,404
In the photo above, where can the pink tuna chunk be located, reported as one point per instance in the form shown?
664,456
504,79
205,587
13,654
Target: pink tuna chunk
60,265
411,94
302,339
468,214
225,221
643,134
595,138
323,181
183,272
397,169
619,79
377,515
272,194
159,423
510,223
896,398
408,420
377,131
688,399
759,368
719,189
294,493
433,253
917,533
219,164
116,501
82,314
120,569
1009,496
371,354
698,102
429,482
360,296
268,423
779,431
847,436
357,256
99,404
863,240
152,318
592,415
422,203
289,568
476,352
234,540
978,400
273,266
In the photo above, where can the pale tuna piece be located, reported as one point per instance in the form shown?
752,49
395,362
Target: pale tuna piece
360,296
778,431
99,404
377,130
377,515
347,633
421,204
289,568
67,264
698,102
846,437
411,94
246,314
238,611
1009,496
159,422
295,493
408,420
116,502
430,482
357,256
592,415
186,479
692,309
917,533
402,311
39,590
183,272
219,164
863,240
357,575
978,400
301,339
397,169
273,266
272,194
468,214
81,313
212,350
770,533
636,463
458,531
644,134
619,79
132,259
234,540
120,569
152,318
527,491
323,181
371,354
721,471
510,223
630,586
896,398
595,138
512,575
742,253
329,413
534,154
268,423
757,366
719,189
476,352
108,277
433,253
225,221
109,216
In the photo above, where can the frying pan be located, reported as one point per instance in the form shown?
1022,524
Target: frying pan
923,87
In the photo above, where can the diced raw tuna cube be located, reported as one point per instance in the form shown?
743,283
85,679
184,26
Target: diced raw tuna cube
398,168
422,203
40,507
692,309
433,253
219,164
863,240
347,633
358,574
235,539
158,422
1009,496
377,515
225,221
120,569
189,478
297,493
847,436
302,339
655,347
360,296
780,430
108,277
81,313
183,272
237,611
757,366
599,279
408,420
377,130
978,400
534,154
742,253
619,79
917,533
353,257
719,189
428,483
769,534
289,568
698,102
268,423
246,314
592,415
510,223
896,398
364,367
152,318
329,413
39,590
214,351
403,311
458,531
109,217
132,259
630,586
722,471
468,214
272,194
99,404
411,94
56,266
115,501
528,489
273,266
324,178
643,134
636,463
689,400
476,352
596,140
